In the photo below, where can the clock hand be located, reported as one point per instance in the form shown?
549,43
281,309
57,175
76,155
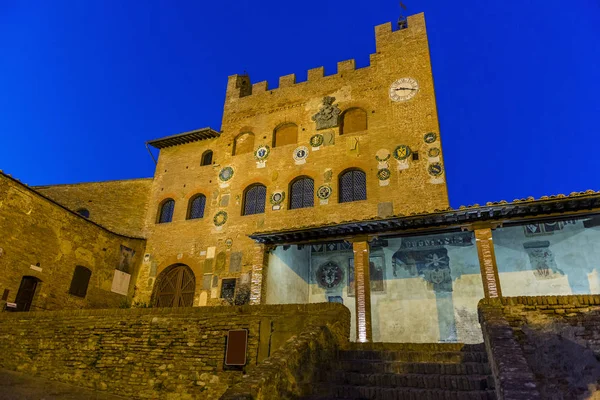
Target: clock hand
405,88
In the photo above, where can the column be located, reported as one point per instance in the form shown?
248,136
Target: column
260,259
362,290
487,263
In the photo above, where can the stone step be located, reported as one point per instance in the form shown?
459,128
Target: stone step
433,381
327,391
436,347
413,356
400,367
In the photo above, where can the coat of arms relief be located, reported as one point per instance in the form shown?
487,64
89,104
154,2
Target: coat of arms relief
329,114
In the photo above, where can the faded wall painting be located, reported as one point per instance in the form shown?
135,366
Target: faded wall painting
559,257
431,289
126,260
376,274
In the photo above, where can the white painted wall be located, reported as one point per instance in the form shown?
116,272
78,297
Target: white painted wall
287,276
574,248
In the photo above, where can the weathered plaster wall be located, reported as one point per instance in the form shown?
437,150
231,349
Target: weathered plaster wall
41,239
431,285
155,353
320,293
180,176
120,206
287,275
560,258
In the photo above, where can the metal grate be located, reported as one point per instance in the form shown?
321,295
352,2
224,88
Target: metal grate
197,207
254,202
353,186
302,193
166,211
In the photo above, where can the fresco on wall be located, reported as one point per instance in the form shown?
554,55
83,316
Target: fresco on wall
376,275
125,259
549,258
441,274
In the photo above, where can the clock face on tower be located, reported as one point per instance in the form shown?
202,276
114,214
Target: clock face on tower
404,89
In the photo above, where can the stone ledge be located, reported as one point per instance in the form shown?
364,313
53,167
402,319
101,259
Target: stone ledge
584,300
265,309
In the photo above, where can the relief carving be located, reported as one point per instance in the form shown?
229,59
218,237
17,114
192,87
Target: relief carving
329,114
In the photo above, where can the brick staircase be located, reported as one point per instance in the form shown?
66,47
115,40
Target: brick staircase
397,371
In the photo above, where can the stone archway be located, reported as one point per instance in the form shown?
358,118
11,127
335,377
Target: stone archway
175,287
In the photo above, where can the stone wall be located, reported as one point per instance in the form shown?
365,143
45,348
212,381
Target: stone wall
154,353
46,241
543,347
120,206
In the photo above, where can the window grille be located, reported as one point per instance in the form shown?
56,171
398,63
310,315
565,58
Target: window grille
302,193
353,186
80,281
166,211
197,207
254,201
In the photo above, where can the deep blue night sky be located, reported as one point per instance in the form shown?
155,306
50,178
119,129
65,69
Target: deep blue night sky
83,84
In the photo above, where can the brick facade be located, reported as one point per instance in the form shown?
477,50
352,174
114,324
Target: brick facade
254,113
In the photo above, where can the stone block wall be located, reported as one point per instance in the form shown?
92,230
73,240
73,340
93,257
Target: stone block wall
543,346
46,241
120,206
154,353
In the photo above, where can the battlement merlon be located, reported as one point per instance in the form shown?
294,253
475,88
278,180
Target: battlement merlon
239,85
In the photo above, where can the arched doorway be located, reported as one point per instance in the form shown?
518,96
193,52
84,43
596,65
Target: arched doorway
175,287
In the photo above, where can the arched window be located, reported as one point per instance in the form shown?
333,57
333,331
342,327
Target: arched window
353,120
302,193
166,209
80,281
207,158
196,207
84,212
254,199
352,186
243,143
285,134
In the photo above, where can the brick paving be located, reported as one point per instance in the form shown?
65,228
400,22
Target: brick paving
17,386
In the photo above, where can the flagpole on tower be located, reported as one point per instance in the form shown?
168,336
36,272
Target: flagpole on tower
402,22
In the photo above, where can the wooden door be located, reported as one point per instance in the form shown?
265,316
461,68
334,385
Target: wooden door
26,293
176,288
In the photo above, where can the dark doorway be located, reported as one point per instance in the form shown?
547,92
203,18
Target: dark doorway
175,287
26,293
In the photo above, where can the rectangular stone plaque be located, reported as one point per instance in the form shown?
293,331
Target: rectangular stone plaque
120,283
385,209
235,261
206,280
208,266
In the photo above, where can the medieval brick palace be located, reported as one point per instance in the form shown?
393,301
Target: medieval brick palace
328,190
